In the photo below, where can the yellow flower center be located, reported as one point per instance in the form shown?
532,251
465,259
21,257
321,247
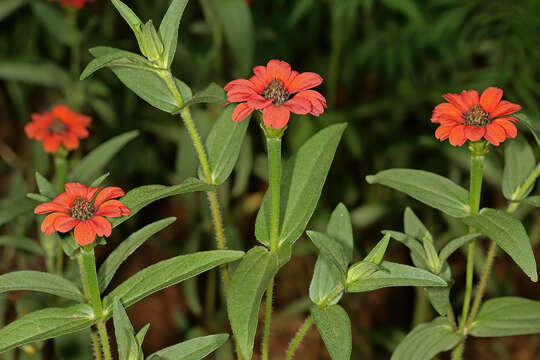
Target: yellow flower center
276,90
477,117
82,209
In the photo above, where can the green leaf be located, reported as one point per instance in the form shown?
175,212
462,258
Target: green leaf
153,46
128,348
142,196
507,316
168,29
45,324
427,340
142,333
56,23
223,145
40,281
431,189
524,119
334,326
439,296
12,207
38,197
42,74
377,253
9,6
133,20
392,274
326,275
519,162
239,33
244,295
331,250
509,233
302,181
22,243
115,57
413,226
126,248
44,186
194,349
413,244
213,94
455,244
100,180
92,164
167,273
533,200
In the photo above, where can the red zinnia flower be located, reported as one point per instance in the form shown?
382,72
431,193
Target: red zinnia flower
469,116
61,125
271,89
77,4
75,209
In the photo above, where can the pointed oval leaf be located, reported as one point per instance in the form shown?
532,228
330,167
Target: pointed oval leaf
224,143
168,29
128,348
334,326
331,249
194,349
393,274
213,94
519,162
133,20
142,196
92,164
126,248
507,316
340,228
455,244
44,186
427,340
244,295
114,57
413,226
40,281
509,233
45,324
302,182
431,189
533,200
167,273
376,254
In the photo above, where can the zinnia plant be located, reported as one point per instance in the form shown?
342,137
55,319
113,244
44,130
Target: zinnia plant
79,217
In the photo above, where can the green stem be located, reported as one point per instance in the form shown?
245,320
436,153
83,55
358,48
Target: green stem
299,336
87,264
523,189
95,344
60,167
274,179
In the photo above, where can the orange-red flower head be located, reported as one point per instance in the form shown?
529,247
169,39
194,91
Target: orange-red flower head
60,126
276,90
468,116
77,4
79,207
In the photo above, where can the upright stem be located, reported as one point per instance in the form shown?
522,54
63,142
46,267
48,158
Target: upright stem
299,336
274,179
87,265
477,164
60,166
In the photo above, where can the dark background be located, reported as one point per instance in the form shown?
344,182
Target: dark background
385,64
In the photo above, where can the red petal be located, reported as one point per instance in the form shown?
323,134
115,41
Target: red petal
258,102
457,101
318,102
509,118
76,189
457,135
474,133
304,81
278,69
509,127
298,105
108,193
470,97
240,83
64,199
50,207
241,112
92,191
65,224
504,108
84,234
101,226
495,134
276,116
51,144
490,98
241,94
260,72
257,83
70,141
443,132
113,208
47,226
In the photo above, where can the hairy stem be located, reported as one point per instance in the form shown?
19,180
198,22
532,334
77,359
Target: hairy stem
298,337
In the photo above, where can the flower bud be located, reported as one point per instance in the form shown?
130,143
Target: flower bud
153,47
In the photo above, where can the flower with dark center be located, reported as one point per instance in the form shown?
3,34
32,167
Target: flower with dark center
60,126
277,91
468,116
83,209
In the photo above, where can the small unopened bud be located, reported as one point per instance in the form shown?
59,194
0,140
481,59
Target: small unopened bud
361,270
434,262
153,47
